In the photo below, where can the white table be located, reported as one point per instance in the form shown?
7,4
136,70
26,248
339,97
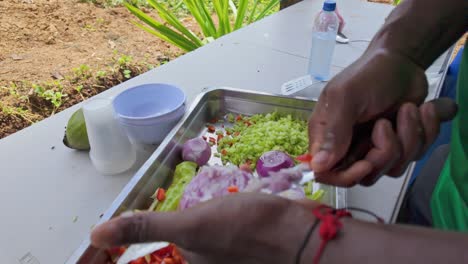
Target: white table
52,195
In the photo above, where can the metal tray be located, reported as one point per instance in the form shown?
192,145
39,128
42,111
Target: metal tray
159,168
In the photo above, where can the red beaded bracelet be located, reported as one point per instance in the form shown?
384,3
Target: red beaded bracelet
330,225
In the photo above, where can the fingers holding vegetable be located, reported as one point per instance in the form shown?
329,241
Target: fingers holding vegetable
393,146
263,222
341,127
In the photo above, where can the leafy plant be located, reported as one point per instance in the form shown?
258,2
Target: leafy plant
17,111
127,73
51,94
83,72
230,18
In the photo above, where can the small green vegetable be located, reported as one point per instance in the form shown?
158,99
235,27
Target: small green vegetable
76,136
316,196
183,174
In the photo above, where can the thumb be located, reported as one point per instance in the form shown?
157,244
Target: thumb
331,129
143,227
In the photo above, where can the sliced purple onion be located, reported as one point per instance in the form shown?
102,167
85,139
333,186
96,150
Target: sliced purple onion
196,150
273,161
212,182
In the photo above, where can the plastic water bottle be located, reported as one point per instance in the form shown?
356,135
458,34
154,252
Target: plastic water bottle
323,42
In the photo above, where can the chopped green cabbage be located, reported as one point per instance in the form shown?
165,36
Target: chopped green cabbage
261,133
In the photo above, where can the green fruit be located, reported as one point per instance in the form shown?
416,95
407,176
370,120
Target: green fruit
76,136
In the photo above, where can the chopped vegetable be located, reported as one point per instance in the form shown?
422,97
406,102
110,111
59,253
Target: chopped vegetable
212,140
306,158
317,196
212,182
233,189
196,150
260,133
310,194
160,194
211,128
246,167
273,161
183,174
230,118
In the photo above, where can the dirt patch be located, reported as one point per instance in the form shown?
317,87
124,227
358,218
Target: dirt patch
43,37
46,45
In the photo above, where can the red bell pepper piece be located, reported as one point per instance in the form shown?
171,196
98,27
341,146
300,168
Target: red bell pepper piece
233,189
211,128
306,158
160,194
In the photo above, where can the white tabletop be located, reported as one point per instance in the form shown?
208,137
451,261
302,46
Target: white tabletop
53,196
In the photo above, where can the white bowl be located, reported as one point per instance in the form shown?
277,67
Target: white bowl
149,112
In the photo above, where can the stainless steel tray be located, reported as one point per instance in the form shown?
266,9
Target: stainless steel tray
159,168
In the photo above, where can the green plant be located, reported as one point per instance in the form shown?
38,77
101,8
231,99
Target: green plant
101,74
124,60
396,2
83,72
53,93
127,74
17,111
79,88
230,17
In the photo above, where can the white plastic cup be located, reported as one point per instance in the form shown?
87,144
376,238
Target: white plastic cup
111,151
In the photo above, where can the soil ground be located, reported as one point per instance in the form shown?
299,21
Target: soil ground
43,41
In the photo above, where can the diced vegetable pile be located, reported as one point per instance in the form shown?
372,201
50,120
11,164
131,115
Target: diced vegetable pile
271,141
250,137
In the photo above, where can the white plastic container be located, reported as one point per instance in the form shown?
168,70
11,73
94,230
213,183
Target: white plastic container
111,151
149,112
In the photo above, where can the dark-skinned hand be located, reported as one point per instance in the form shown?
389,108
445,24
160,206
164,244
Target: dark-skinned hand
239,228
371,120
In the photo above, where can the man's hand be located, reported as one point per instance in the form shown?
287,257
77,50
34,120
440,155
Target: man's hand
370,120
239,228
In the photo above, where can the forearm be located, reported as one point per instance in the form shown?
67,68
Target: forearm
361,242
423,29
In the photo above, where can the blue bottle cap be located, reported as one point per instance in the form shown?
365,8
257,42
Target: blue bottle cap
329,6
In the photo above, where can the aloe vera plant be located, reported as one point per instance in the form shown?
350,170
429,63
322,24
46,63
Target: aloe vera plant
230,17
